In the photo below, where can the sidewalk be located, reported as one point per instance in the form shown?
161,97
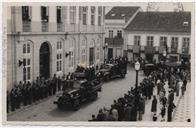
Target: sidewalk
183,111
148,115
23,108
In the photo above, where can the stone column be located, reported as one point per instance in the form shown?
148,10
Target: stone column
36,19
52,19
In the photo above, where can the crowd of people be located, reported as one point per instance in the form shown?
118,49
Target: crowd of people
131,107
26,92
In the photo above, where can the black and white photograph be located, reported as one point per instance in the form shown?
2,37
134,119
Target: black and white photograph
99,62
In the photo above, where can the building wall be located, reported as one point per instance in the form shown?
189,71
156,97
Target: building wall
16,39
114,25
129,39
157,35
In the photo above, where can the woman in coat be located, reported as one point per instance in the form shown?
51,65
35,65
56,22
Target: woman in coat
154,105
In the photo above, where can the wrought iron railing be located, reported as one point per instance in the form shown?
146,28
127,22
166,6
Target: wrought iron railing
26,26
44,26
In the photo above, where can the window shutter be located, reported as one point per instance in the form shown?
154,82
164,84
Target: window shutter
80,13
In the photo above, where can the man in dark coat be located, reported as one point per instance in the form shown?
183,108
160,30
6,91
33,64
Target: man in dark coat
100,116
171,97
13,100
59,83
54,82
8,101
154,105
171,106
184,83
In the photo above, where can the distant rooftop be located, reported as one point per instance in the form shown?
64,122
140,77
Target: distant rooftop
121,12
161,21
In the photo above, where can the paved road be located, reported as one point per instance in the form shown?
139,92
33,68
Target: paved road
47,111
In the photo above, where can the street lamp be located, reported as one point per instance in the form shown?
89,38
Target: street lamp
137,68
104,48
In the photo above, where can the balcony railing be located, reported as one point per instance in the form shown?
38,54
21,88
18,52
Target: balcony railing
161,49
26,26
44,26
174,50
149,49
60,27
185,50
136,48
114,41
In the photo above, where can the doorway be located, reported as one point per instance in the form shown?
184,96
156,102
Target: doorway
44,60
110,53
91,56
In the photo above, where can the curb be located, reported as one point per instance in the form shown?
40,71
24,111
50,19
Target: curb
23,108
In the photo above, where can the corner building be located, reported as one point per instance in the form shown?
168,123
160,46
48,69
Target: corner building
48,40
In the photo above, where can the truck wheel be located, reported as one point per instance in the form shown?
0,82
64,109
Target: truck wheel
95,96
107,78
122,75
76,105
60,106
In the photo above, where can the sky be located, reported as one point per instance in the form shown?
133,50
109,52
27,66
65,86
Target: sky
166,6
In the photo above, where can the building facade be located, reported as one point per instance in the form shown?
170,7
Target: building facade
115,22
151,33
48,40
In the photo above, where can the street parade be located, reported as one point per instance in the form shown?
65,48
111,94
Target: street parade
131,107
99,63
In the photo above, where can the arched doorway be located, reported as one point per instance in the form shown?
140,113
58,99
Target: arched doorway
44,60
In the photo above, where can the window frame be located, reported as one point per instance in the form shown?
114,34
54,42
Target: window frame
99,15
150,41
174,44
93,9
111,33
137,40
59,60
72,12
163,41
84,14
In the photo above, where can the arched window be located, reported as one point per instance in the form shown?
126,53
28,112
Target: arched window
27,61
26,48
59,55
72,54
83,52
98,49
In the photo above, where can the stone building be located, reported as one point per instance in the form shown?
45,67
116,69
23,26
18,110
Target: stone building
48,40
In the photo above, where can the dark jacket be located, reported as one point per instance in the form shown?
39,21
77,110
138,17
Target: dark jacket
154,105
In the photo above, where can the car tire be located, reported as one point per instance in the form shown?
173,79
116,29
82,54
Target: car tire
95,96
60,106
76,105
122,75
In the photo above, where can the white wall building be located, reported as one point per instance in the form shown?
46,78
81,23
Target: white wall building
150,33
115,22
47,40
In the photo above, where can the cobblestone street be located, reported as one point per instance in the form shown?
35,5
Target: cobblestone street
47,111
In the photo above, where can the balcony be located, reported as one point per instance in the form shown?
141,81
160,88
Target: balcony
60,27
114,41
185,50
149,49
174,50
44,26
136,49
26,26
161,49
